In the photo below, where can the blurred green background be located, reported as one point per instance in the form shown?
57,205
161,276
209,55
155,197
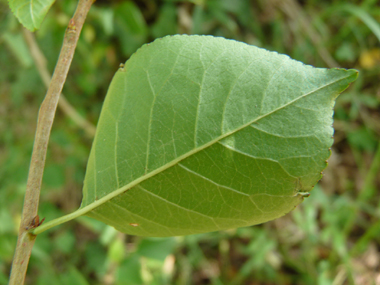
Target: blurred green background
332,238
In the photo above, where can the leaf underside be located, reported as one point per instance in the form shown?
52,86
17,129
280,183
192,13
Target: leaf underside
30,13
199,134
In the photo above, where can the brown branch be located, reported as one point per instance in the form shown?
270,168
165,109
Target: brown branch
46,113
63,104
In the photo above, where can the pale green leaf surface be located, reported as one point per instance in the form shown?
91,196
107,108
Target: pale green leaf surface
200,134
30,13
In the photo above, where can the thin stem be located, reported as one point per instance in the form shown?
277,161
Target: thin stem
59,221
63,104
46,114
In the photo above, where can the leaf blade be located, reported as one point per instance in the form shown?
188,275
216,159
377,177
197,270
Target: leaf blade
30,13
189,101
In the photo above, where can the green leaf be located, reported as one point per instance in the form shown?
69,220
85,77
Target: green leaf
30,13
200,134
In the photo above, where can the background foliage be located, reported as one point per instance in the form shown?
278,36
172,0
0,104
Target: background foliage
332,238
